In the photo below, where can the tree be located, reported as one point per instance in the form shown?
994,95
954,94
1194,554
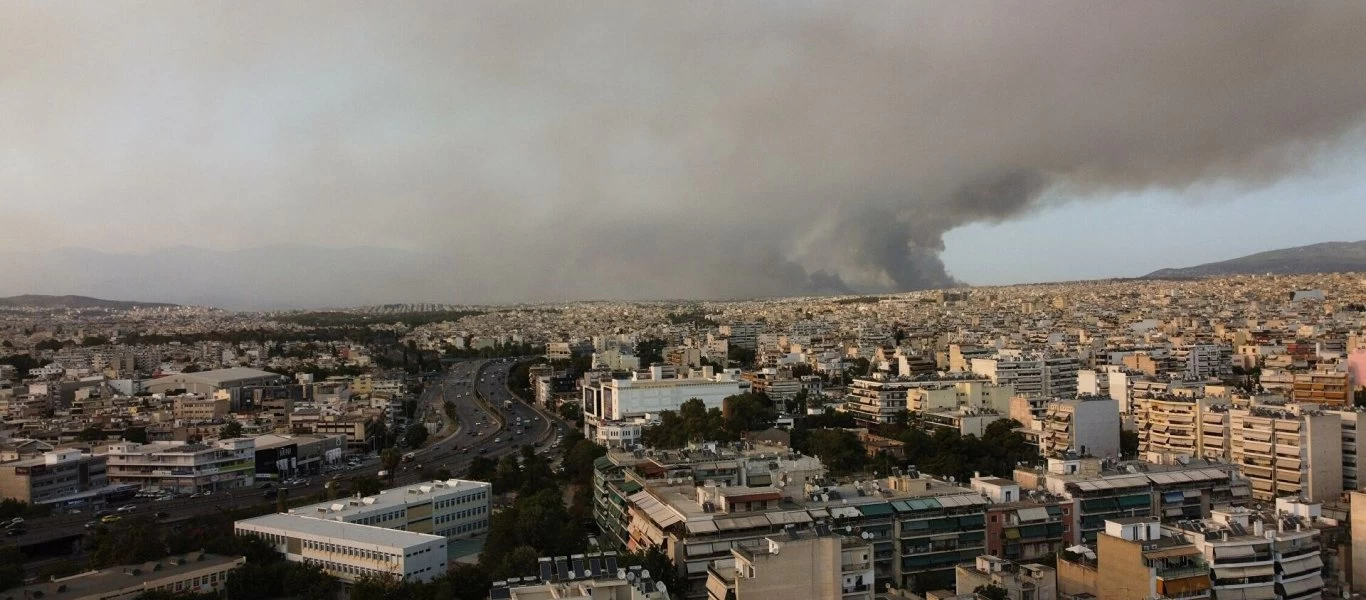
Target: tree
482,469
838,449
744,357
572,412
93,433
366,485
415,436
391,458
991,592
749,412
508,477
11,567
1128,443
650,351
137,435
231,430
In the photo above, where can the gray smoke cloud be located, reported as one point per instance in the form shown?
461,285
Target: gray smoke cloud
538,150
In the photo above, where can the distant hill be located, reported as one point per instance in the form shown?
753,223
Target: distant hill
1328,257
44,301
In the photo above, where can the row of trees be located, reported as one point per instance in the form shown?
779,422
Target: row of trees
694,422
944,452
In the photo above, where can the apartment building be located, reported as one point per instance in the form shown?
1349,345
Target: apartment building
1330,389
879,401
1105,490
919,527
1020,581
184,468
1087,425
1134,560
650,392
1032,375
1293,449
1171,425
1250,556
811,563
1352,467
454,508
193,573
350,551
1025,524
1199,362
54,478
581,577
197,409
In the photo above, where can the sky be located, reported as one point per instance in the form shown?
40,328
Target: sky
523,150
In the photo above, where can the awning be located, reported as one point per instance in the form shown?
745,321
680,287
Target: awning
1192,493
1173,497
1032,514
1265,592
1012,534
1244,572
875,510
707,526
1296,566
1295,588
845,512
1236,551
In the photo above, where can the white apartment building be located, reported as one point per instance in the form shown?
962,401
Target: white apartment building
1251,557
184,468
609,401
1351,461
350,551
879,401
1053,377
1088,426
454,508
1290,450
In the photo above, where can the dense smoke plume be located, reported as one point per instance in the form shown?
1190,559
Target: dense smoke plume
548,150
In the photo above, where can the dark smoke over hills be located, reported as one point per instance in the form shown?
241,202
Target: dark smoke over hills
594,149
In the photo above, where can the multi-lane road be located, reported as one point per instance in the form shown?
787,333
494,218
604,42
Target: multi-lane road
479,392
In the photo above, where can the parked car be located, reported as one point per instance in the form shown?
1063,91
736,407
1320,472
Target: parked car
111,519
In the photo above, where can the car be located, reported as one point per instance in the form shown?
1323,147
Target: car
196,495
92,524
111,519
127,508
163,514
497,440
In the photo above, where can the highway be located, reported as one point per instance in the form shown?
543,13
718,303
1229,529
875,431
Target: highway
478,389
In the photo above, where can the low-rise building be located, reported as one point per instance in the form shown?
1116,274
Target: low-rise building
454,508
193,573
813,564
350,551
581,577
1020,581
184,468
55,478
1133,560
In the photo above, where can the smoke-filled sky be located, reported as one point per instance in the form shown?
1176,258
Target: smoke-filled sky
558,150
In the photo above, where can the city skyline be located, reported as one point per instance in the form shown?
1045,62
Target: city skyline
507,152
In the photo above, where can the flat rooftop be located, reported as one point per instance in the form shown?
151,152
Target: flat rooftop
112,580
351,532
390,498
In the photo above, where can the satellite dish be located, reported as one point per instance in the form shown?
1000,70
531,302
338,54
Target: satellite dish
644,573
621,573
630,576
662,588
848,529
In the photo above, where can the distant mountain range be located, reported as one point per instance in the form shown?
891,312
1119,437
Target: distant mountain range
1328,257
43,301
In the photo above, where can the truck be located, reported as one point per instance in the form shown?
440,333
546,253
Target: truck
409,457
